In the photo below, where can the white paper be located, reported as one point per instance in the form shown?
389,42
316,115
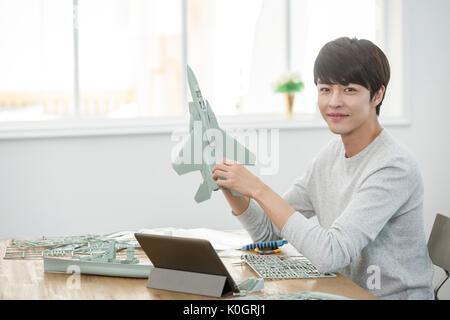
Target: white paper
220,240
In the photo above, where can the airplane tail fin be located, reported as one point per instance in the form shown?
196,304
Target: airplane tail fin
203,192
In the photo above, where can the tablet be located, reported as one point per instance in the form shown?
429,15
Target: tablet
185,254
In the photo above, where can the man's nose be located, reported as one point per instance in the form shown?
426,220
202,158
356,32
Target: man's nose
336,99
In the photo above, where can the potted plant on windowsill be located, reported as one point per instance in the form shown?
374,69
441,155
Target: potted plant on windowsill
289,84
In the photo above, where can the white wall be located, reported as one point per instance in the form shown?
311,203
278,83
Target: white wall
427,67
69,186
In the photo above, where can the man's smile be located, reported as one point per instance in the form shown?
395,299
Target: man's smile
337,116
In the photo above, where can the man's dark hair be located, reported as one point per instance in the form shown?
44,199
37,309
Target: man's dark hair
346,60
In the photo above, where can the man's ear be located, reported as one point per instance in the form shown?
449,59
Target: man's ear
378,97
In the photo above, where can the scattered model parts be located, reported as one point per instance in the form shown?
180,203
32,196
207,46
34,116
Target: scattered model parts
104,264
86,254
283,267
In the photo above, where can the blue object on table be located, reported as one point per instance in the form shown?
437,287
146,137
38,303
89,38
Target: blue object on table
265,245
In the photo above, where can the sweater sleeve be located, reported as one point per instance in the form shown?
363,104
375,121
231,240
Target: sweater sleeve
297,196
258,224
378,198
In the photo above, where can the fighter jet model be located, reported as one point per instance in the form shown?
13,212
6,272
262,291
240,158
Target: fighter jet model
206,144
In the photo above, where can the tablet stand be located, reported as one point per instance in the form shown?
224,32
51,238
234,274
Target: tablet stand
188,282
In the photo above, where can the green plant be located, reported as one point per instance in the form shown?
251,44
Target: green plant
289,83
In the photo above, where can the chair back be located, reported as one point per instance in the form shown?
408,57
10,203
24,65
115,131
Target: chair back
439,242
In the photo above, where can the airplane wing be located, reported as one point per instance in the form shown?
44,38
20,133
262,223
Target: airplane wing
235,151
184,161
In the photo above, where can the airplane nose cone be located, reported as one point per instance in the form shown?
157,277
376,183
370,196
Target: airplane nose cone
189,70
190,75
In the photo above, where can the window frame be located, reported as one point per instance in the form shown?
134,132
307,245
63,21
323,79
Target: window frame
78,127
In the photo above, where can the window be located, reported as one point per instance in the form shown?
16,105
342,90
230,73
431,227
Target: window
125,59
314,23
87,59
130,58
36,64
240,48
243,45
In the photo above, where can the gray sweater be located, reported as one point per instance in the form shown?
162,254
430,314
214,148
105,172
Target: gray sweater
370,218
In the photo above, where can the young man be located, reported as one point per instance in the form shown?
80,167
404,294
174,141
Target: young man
365,189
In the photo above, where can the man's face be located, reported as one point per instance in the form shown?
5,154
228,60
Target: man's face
346,108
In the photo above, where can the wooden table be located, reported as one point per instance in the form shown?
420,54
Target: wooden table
26,279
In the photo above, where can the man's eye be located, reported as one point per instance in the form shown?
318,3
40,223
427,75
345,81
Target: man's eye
324,89
350,89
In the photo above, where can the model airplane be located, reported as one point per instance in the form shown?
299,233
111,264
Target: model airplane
207,138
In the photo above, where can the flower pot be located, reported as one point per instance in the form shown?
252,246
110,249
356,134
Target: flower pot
289,105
